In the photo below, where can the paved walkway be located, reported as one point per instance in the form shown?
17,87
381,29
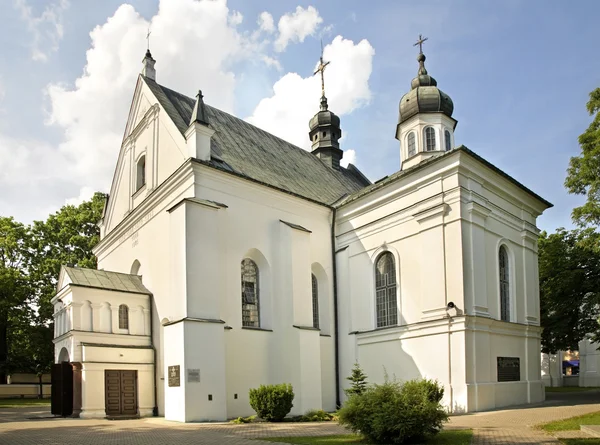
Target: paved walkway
32,426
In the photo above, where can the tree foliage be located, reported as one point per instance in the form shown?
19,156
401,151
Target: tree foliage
583,174
569,267
30,261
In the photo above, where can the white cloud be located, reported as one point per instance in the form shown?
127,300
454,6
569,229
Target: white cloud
196,45
296,99
85,194
46,29
265,22
349,158
296,26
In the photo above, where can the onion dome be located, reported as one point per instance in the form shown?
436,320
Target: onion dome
424,96
324,135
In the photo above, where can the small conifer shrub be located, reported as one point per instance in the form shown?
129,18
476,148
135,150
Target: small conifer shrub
358,381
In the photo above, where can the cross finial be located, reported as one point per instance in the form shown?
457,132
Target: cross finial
321,69
420,43
148,39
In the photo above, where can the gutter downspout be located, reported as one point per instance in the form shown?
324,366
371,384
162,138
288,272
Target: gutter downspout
155,408
335,314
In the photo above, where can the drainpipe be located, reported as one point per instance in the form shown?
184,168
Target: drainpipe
155,408
335,314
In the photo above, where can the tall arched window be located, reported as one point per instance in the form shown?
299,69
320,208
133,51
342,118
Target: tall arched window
504,284
123,317
447,140
385,291
315,301
141,173
429,139
250,294
412,145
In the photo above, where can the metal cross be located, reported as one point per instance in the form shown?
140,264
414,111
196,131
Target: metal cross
321,69
148,39
420,43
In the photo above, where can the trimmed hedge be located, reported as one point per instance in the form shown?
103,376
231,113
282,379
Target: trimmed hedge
395,412
272,402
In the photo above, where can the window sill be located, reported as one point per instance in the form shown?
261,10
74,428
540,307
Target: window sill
139,191
306,328
251,328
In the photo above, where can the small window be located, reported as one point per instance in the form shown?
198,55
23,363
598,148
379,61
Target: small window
324,133
250,294
141,173
315,301
412,146
429,139
123,317
386,305
504,284
447,140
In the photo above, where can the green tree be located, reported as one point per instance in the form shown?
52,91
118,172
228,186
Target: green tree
583,174
569,267
14,286
358,381
66,237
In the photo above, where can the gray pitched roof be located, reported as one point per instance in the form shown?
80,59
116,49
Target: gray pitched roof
102,279
399,174
243,149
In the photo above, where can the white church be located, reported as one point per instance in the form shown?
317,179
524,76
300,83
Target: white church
230,258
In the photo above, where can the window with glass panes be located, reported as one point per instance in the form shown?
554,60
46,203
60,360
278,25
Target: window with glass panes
504,284
429,139
385,291
123,317
315,301
412,145
250,294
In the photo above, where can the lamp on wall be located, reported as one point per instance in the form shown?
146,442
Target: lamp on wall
451,309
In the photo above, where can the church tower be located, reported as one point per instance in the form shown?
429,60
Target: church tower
425,124
325,129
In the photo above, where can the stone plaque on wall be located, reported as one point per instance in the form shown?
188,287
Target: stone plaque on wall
193,376
509,369
174,379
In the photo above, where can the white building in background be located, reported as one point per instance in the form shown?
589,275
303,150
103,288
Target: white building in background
230,258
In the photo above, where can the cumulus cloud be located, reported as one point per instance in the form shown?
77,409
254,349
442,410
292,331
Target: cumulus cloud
85,194
296,26
92,111
265,22
296,99
349,158
46,29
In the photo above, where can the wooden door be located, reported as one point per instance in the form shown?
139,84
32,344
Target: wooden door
62,389
120,392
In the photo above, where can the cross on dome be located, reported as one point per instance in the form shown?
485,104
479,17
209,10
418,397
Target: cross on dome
321,69
420,43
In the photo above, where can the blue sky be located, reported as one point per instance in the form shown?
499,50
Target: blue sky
519,73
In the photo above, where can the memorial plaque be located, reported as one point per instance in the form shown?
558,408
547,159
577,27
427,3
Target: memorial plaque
193,376
174,379
509,369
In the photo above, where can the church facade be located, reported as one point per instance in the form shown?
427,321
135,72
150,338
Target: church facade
230,258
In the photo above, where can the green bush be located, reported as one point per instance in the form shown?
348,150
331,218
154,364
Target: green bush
272,402
395,412
315,415
240,420
358,381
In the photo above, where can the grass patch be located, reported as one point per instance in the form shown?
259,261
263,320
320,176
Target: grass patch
19,403
450,437
571,388
572,423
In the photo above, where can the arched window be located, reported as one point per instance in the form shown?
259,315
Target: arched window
250,294
412,145
429,139
447,140
385,291
504,284
315,301
123,317
141,173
